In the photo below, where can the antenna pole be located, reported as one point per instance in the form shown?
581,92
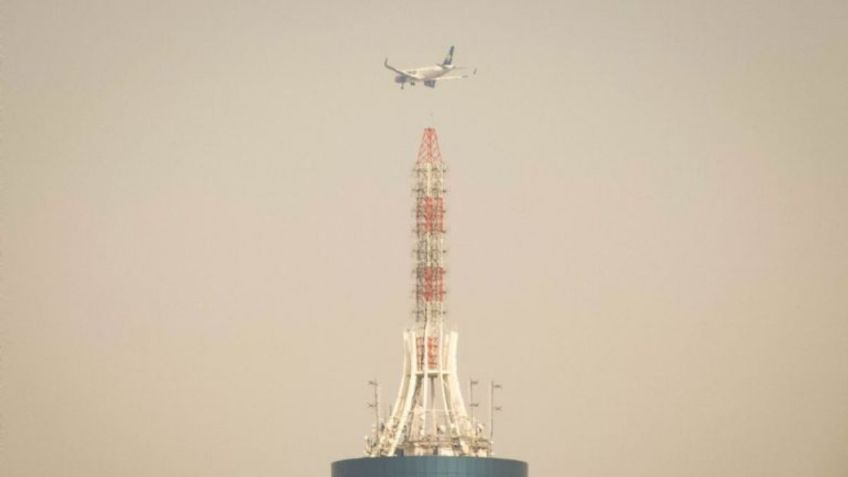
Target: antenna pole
471,404
429,416
376,404
492,409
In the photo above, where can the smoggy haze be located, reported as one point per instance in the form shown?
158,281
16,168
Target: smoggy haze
206,231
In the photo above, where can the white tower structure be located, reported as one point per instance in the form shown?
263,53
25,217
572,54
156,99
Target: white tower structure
429,415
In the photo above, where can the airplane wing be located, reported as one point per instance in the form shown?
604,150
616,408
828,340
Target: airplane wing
400,72
455,77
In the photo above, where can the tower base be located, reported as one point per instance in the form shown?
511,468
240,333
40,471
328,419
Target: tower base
429,466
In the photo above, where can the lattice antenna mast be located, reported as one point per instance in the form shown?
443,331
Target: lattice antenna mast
429,415
429,232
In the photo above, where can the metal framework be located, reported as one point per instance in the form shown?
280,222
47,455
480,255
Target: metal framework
429,416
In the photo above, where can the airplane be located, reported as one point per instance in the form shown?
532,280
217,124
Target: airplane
429,75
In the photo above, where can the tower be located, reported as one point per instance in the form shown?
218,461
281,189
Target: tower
429,415
429,431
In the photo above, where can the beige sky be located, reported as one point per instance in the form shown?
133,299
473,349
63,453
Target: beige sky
206,231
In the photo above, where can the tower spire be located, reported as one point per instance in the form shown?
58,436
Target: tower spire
429,230
429,415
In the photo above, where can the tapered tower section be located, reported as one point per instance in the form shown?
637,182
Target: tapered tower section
428,432
429,415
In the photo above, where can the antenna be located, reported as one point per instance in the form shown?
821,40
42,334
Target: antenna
376,405
429,416
492,409
471,404
431,429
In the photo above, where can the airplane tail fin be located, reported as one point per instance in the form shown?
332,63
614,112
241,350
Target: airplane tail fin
449,58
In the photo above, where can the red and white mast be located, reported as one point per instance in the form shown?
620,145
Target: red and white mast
429,415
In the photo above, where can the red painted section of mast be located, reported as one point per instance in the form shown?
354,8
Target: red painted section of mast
429,150
430,228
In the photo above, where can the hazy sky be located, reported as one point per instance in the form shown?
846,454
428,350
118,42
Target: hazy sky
206,231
